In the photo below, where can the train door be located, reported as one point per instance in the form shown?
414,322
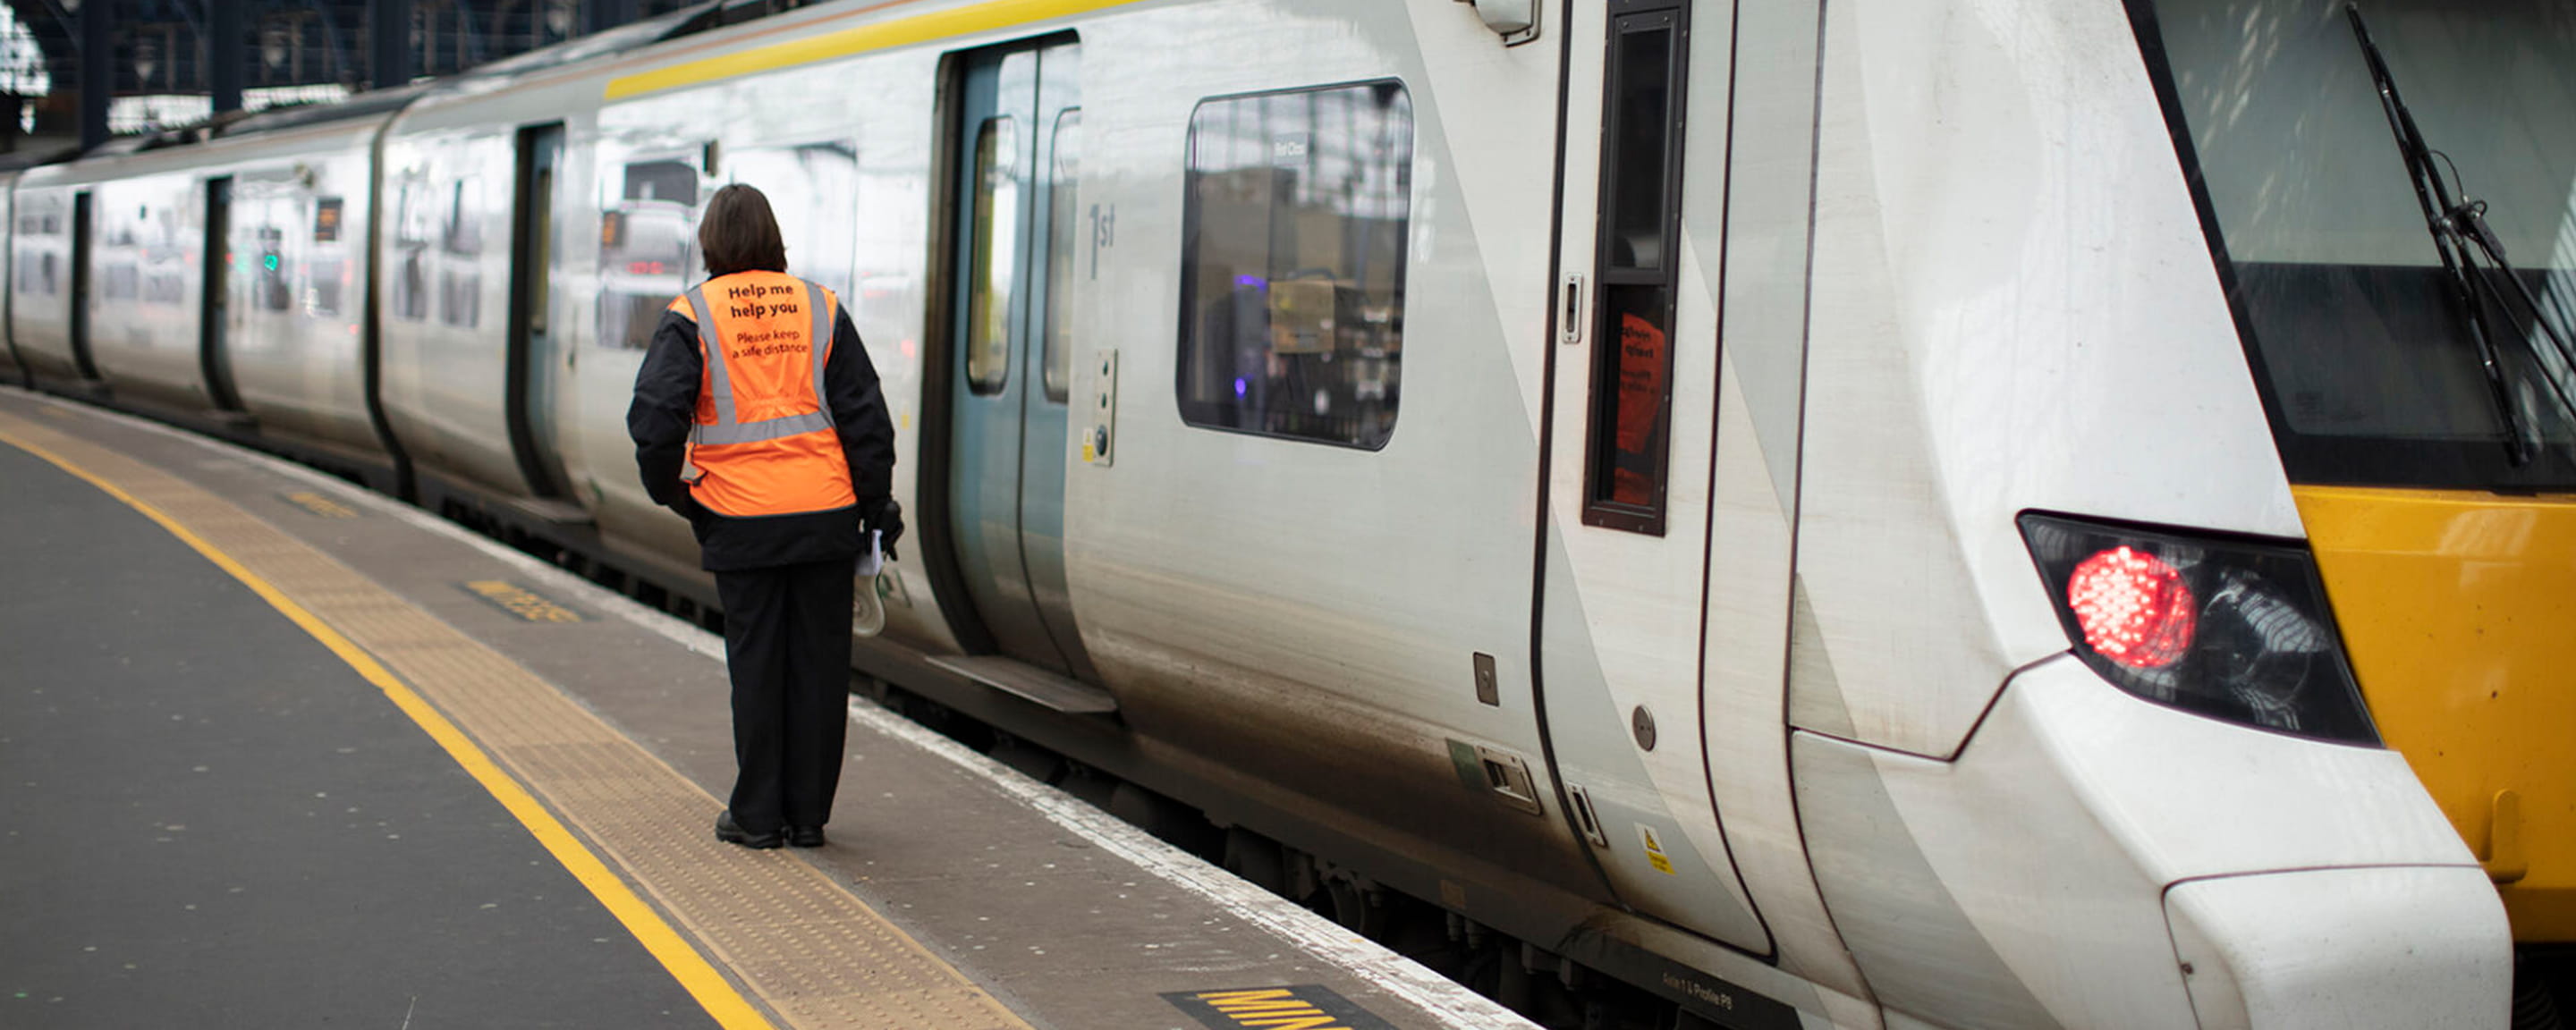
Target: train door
81,235
1017,169
1633,399
537,353
214,302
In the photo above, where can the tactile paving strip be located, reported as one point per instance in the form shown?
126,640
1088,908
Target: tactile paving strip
817,956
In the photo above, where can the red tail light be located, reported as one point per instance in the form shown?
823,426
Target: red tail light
2228,626
2134,609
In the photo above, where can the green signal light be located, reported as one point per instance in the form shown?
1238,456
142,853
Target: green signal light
271,261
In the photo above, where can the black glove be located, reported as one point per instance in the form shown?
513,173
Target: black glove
686,506
886,517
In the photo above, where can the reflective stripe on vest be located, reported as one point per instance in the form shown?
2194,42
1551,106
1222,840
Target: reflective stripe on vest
727,429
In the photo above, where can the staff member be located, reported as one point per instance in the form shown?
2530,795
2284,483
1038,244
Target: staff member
757,417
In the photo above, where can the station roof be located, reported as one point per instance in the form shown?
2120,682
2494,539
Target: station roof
161,46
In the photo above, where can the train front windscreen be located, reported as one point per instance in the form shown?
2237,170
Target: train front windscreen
2383,360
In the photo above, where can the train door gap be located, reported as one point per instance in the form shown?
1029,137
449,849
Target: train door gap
536,379
80,286
1012,169
214,302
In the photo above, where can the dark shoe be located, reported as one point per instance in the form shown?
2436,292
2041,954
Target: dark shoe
804,836
731,833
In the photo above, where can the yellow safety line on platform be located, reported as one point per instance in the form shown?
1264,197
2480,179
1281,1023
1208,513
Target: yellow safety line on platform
730,1009
857,39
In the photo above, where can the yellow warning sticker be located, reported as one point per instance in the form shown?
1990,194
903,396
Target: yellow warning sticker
1655,855
321,505
1303,1007
520,601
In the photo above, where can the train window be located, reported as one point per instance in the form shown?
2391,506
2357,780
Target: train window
1632,367
37,262
325,273
988,310
407,278
1062,218
269,288
460,276
646,250
1292,263
541,226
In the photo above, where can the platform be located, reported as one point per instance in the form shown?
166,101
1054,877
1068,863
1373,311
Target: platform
278,751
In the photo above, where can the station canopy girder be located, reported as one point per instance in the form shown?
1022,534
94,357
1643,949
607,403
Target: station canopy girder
161,47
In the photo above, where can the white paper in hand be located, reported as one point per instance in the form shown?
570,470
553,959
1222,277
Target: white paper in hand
867,614
872,559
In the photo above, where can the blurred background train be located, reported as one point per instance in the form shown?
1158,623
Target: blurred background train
1975,513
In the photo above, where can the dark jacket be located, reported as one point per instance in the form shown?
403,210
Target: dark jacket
666,405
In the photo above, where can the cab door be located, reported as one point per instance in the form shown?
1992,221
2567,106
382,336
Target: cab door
1017,167
1634,395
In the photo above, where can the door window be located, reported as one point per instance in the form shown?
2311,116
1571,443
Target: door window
997,255
1632,368
1061,220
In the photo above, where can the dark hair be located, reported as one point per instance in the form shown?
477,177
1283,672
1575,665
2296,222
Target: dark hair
738,234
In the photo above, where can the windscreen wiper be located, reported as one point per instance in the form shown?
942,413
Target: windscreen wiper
2473,259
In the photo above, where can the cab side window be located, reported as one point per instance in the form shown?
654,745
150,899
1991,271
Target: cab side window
1639,266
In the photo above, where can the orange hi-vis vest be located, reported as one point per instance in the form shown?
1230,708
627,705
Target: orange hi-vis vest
764,443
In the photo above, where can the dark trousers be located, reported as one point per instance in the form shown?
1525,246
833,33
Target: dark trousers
787,645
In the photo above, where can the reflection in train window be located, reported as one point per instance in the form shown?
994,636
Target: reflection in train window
38,264
414,219
326,287
813,189
326,219
647,248
1062,217
269,289
460,275
1632,333
1292,263
164,260
997,255
326,272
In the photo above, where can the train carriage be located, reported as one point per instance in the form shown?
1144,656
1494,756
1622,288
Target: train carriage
1969,513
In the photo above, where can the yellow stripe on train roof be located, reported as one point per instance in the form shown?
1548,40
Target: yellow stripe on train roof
856,39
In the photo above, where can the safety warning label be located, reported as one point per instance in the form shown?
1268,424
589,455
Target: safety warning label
1655,855
1302,1007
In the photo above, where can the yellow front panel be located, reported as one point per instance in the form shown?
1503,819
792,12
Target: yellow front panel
2459,610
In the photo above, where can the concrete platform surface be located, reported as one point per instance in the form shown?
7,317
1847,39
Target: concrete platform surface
278,751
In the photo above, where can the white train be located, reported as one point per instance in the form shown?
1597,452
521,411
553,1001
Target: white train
1859,513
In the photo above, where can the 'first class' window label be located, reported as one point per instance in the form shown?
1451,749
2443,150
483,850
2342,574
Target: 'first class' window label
1302,1007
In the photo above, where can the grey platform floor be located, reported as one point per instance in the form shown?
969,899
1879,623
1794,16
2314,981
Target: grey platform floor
210,820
